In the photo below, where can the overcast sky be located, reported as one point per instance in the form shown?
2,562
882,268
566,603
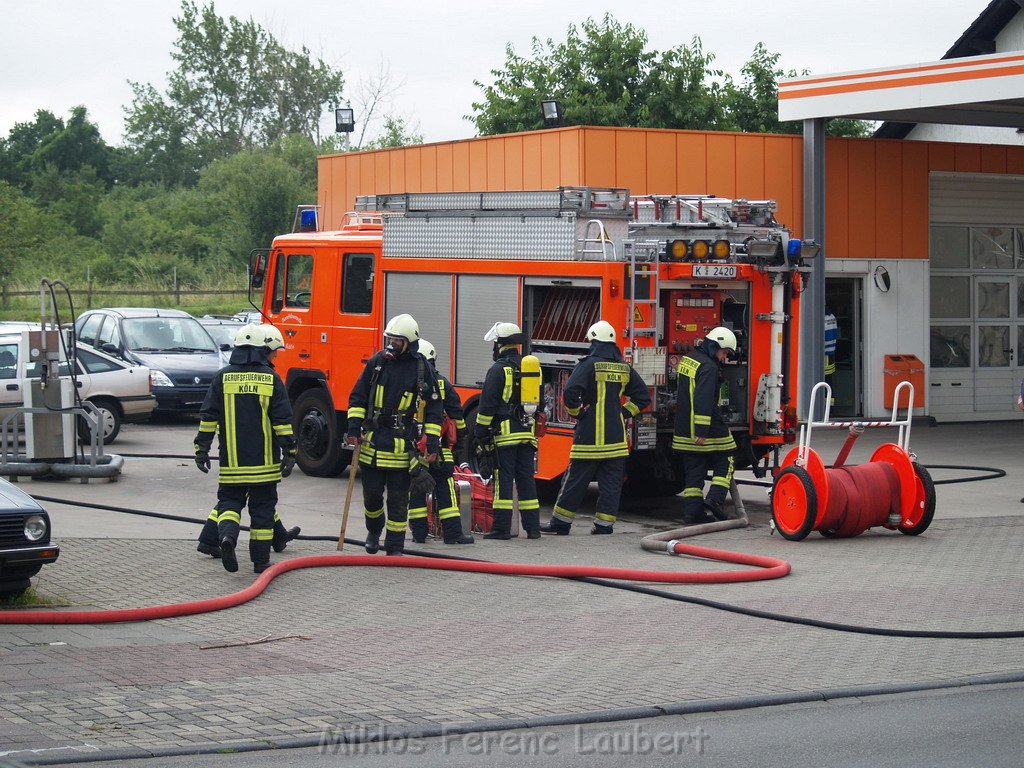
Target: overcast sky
60,53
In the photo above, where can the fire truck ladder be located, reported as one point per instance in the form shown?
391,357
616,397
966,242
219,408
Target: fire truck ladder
643,313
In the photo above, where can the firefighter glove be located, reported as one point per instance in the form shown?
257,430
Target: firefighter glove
420,481
481,432
203,461
433,444
287,465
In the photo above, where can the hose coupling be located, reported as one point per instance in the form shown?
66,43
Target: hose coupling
670,547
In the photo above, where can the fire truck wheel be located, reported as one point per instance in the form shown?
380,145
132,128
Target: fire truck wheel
646,481
316,432
924,504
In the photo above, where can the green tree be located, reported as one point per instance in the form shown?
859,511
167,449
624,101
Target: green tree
604,74
235,88
49,142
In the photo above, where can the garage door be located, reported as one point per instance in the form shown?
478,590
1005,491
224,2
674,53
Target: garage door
976,295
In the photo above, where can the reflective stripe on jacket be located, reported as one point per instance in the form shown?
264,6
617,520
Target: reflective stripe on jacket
697,411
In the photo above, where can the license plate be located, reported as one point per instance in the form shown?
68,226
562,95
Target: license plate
720,271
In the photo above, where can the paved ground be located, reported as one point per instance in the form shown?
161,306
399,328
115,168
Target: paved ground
350,647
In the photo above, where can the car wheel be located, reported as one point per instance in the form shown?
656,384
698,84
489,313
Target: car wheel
317,435
14,588
112,421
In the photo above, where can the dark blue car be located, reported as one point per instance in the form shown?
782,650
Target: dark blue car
180,354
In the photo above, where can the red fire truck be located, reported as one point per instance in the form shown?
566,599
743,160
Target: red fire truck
662,269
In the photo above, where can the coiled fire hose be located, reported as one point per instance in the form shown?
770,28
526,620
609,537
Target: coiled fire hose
425,560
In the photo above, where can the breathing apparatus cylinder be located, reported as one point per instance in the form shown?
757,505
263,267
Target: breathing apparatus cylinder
529,383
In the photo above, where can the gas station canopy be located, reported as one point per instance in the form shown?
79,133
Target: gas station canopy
976,90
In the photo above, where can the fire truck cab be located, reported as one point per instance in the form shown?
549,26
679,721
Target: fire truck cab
662,269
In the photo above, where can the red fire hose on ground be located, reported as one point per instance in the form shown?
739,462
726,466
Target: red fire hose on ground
764,568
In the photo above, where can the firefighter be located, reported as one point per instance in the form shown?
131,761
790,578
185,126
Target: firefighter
248,405
593,396
701,438
445,500
501,417
394,396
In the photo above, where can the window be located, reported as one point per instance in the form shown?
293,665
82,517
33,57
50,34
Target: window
299,281
949,249
87,332
109,334
278,302
992,248
951,296
94,363
357,284
950,346
8,361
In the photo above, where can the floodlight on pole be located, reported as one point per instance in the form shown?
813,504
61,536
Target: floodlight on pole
344,120
552,111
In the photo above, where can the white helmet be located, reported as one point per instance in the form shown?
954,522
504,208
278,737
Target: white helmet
272,338
726,339
404,327
259,335
503,331
601,331
427,350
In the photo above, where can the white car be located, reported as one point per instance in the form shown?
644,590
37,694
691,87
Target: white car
123,392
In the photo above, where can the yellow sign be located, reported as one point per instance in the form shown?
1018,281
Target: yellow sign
638,316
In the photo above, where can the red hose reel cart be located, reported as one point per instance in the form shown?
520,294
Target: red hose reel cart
892,490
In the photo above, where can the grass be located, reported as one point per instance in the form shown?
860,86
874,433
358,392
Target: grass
31,599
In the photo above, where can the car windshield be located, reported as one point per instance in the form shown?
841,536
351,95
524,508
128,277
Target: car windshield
223,333
181,335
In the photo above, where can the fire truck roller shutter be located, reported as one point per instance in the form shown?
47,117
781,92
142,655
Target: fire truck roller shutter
483,300
428,298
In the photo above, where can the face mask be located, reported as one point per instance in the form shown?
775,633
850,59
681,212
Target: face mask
393,349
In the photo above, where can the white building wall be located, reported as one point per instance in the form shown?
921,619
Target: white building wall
894,322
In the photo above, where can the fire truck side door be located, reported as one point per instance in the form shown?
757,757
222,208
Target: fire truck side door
290,305
357,335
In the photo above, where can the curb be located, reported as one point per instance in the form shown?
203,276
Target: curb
370,736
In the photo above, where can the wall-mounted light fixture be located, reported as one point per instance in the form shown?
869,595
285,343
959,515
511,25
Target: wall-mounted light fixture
552,111
882,280
344,120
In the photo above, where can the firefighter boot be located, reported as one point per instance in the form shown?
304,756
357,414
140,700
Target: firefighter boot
209,543
259,553
531,522
716,508
418,529
694,512
227,554
451,529
501,526
283,535
394,543
599,529
374,528
556,527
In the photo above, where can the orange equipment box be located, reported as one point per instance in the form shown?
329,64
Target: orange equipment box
903,368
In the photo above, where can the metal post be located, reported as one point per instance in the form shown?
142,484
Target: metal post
812,305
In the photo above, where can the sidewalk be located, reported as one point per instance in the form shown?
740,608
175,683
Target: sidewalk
371,647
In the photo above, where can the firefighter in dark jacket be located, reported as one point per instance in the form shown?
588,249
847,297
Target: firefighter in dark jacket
593,396
393,398
702,439
248,406
445,499
501,417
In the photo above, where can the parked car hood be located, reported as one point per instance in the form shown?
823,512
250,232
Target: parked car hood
14,499
204,365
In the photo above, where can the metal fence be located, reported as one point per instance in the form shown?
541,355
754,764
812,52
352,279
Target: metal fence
94,294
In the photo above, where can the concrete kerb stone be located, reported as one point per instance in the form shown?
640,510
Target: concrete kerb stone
390,732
